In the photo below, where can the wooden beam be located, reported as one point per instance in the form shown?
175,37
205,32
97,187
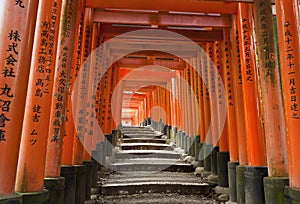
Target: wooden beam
139,62
110,31
167,5
147,74
161,19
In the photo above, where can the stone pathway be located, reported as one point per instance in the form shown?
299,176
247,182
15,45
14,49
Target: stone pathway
146,169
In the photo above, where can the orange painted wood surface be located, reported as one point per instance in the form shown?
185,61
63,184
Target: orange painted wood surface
17,33
32,157
254,131
288,21
61,89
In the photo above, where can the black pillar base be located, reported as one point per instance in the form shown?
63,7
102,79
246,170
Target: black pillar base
232,180
40,197
108,144
114,137
274,189
178,139
200,155
240,184
96,164
223,159
254,186
80,184
69,173
89,178
173,134
101,153
197,147
292,195
183,141
214,160
189,145
207,161
11,199
56,188
169,128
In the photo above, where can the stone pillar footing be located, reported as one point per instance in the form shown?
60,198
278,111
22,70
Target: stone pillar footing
214,160
11,199
274,189
40,197
69,173
254,185
56,188
207,157
89,178
223,159
232,180
80,184
240,184
292,195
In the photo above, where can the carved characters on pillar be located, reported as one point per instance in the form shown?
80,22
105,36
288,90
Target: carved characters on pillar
247,45
8,72
291,72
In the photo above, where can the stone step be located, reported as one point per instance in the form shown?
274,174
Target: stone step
151,164
147,136
139,133
143,176
155,187
145,146
147,154
143,140
161,198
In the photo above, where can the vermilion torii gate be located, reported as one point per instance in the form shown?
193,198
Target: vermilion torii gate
254,45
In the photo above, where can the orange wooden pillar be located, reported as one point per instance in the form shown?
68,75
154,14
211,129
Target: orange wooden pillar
275,135
240,119
30,172
195,100
228,72
288,21
200,90
187,124
173,111
17,32
59,104
256,170
78,149
68,139
90,107
222,64
213,59
206,101
76,63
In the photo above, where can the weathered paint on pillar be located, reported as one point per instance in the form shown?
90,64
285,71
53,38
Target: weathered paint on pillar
32,157
271,90
230,102
238,92
17,31
288,21
61,88
254,131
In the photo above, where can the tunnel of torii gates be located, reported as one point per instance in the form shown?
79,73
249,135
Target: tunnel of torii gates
241,86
